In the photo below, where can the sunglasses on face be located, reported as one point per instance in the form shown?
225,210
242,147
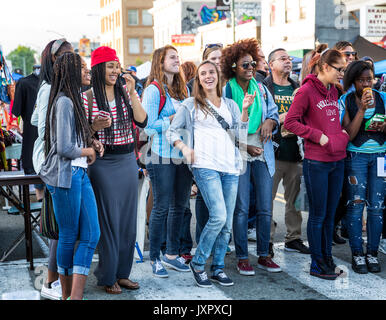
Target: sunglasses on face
340,70
350,53
246,65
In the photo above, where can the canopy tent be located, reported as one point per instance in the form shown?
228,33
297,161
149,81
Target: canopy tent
380,67
367,48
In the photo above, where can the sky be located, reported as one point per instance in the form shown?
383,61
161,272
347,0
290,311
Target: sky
34,23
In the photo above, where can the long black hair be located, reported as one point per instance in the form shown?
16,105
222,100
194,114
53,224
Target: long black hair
67,79
46,69
124,121
354,71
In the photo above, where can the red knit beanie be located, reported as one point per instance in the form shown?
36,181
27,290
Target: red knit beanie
103,54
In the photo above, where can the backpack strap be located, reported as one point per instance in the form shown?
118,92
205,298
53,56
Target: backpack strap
162,97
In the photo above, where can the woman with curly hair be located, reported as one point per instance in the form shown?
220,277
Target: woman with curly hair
238,65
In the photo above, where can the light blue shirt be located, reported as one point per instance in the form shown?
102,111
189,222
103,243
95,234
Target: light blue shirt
157,125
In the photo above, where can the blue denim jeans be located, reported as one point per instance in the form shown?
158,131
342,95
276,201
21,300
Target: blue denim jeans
257,172
324,181
171,184
364,188
219,192
77,216
186,242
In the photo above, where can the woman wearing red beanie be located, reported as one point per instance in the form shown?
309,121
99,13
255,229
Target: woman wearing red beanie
111,109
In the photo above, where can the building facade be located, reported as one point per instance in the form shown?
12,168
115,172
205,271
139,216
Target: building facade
205,24
127,27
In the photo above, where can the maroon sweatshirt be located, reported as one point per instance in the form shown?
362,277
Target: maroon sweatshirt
314,111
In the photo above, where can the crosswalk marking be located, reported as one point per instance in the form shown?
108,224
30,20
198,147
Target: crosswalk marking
353,287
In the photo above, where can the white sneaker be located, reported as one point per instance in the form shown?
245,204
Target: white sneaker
252,234
55,293
382,246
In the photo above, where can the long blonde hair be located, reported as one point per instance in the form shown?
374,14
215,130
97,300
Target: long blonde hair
198,91
177,89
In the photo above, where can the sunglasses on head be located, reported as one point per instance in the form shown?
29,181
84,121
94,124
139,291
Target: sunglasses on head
246,65
212,45
350,53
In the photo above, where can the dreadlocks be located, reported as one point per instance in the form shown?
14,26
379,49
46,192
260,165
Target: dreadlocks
67,79
98,76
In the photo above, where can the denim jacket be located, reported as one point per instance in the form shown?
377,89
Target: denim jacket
270,111
184,119
56,170
158,123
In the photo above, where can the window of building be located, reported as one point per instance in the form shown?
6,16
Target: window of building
148,45
134,46
133,17
291,10
147,18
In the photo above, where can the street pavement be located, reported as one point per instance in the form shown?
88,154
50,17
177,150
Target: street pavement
294,283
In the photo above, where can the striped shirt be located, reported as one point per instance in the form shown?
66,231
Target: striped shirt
120,138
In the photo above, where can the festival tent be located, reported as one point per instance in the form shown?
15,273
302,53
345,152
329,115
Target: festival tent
380,67
367,48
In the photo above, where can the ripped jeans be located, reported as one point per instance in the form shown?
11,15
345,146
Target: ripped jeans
364,188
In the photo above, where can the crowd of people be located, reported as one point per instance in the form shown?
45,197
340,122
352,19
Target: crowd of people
229,130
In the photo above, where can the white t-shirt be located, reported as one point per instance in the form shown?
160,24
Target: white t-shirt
80,162
213,148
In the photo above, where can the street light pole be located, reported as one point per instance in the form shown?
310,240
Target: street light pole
233,20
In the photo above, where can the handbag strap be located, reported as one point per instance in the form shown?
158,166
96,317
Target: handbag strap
224,125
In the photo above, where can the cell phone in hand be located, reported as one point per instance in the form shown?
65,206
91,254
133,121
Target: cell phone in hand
103,114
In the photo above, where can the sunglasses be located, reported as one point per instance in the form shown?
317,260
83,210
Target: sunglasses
246,65
212,45
350,53
341,69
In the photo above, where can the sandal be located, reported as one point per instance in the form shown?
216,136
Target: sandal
128,284
114,289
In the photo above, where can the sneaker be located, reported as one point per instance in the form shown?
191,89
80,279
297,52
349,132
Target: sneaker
54,292
200,277
251,234
158,270
321,270
270,250
372,263
244,268
267,264
229,251
358,263
331,264
337,238
382,246
187,257
296,246
176,264
222,279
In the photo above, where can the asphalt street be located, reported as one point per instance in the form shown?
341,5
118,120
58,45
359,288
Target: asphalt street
294,283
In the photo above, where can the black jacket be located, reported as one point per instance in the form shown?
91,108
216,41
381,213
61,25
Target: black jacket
268,81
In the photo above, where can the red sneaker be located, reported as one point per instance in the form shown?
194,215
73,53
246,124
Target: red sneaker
244,268
266,263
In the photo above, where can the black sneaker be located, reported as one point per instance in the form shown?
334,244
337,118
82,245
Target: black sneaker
222,279
321,270
372,262
358,263
331,264
201,277
337,238
296,246
270,250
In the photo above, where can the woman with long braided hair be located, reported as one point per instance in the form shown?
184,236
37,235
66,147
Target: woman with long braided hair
111,109
64,171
